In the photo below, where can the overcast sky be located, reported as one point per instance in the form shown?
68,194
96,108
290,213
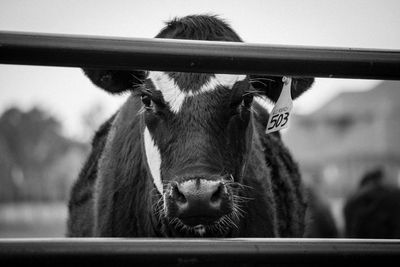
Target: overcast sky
67,94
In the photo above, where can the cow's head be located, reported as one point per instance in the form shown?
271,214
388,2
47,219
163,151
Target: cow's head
197,131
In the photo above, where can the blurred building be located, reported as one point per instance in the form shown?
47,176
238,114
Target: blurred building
351,134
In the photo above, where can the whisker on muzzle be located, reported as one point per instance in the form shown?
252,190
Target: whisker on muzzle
237,195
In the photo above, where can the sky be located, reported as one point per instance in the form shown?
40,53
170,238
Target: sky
67,94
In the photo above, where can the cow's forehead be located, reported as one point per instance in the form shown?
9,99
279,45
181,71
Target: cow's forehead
175,96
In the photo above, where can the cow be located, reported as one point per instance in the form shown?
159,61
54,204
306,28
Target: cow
320,222
373,211
187,154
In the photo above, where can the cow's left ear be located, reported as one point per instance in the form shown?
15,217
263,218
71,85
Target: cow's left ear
115,81
271,86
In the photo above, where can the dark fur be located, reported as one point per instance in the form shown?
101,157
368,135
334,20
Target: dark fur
122,200
80,221
320,221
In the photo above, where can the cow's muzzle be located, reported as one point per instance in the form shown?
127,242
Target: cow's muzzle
198,201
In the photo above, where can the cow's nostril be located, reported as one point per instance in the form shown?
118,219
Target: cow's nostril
178,195
217,195
198,201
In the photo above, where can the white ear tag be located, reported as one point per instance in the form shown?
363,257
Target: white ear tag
279,118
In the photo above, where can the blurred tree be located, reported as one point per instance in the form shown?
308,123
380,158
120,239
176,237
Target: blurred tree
7,189
25,132
31,145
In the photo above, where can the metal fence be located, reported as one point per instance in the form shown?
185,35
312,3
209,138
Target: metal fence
190,252
198,56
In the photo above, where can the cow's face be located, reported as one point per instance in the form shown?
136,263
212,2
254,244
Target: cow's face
196,139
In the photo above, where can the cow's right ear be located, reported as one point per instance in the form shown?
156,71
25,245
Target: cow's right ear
115,81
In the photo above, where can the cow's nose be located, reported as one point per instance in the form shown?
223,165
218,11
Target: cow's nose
199,201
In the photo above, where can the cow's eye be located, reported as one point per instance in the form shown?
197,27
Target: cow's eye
247,100
147,102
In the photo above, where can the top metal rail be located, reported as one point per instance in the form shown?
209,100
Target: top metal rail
197,56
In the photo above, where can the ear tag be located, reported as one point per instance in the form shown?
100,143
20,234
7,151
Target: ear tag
279,118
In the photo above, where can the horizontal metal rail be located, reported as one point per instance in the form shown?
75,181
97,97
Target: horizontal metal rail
196,56
198,252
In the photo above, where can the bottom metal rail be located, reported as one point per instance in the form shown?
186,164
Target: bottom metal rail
198,252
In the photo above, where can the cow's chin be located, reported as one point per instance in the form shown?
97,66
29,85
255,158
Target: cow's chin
219,228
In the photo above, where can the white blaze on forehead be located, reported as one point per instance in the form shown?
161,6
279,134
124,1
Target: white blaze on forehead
226,80
170,91
153,159
175,97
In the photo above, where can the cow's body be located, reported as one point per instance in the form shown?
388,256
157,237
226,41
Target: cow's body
373,211
128,188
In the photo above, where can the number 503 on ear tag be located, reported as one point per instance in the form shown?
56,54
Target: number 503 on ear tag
280,114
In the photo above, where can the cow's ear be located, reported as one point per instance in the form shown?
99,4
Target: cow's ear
115,81
271,86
